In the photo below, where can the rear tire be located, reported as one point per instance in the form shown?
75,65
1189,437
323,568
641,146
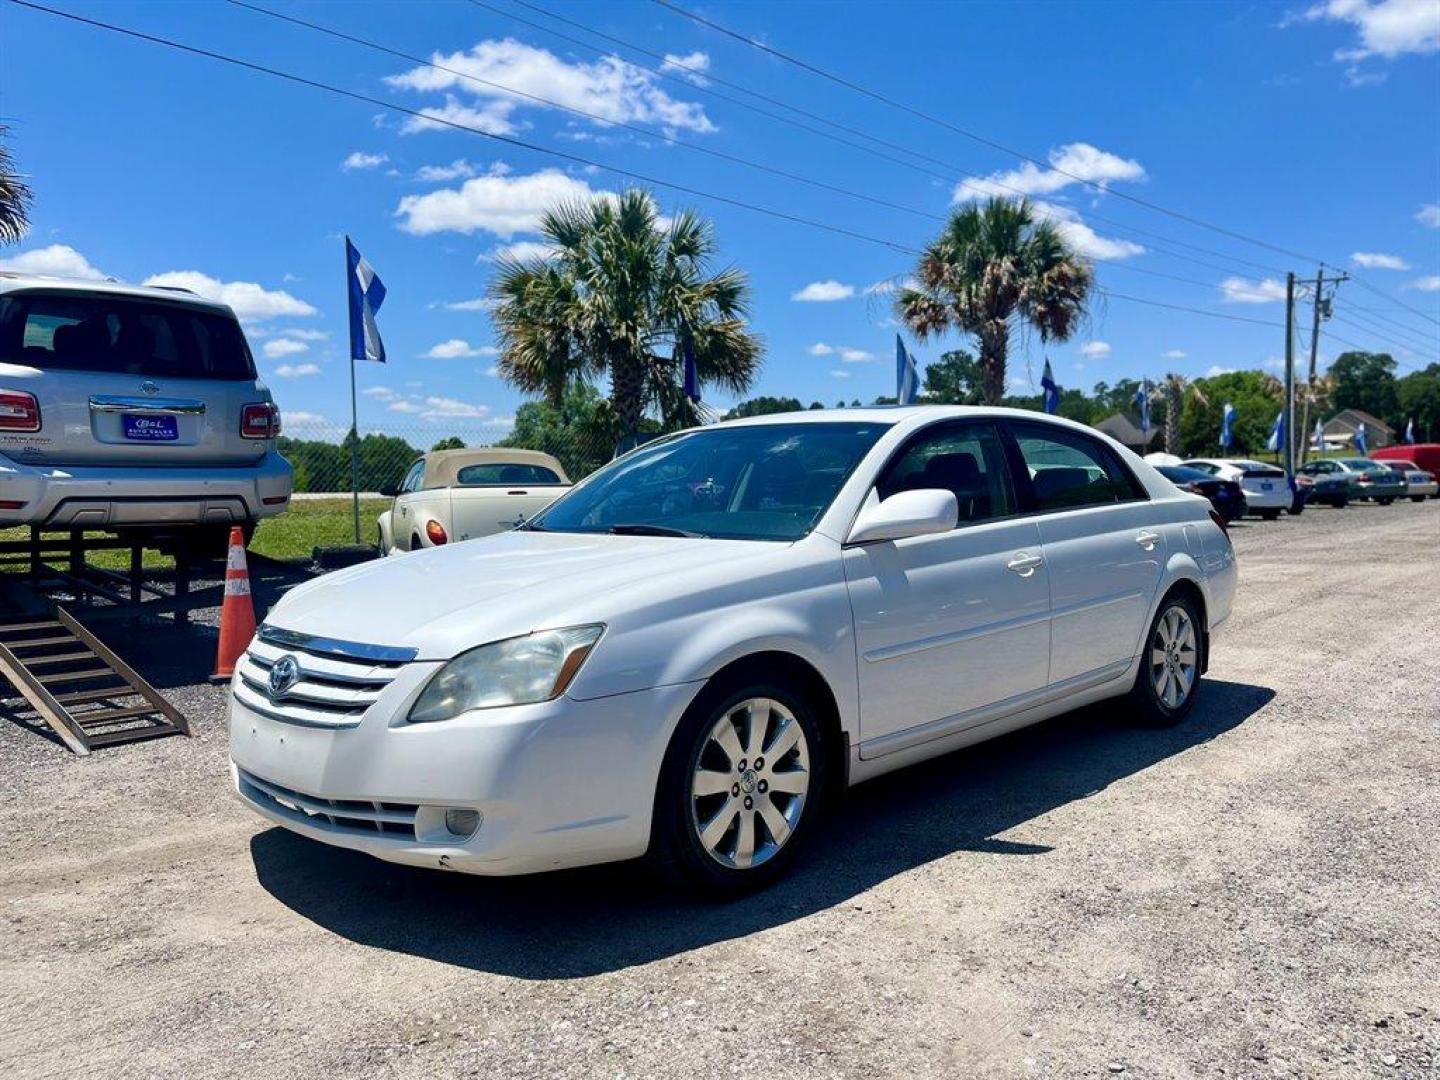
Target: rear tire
1165,692
1386,501
1270,515
1417,498
719,841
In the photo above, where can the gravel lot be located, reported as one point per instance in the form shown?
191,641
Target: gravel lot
1255,893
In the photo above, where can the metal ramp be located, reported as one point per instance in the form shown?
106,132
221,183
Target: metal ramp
78,686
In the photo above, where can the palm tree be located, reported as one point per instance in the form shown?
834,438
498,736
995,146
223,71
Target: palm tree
623,295
1176,391
992,267
15,196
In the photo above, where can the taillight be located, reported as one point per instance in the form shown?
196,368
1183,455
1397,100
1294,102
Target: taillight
435,532
18,411
1194,489
1216,517
260,420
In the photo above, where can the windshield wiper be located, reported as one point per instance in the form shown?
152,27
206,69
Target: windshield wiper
639,529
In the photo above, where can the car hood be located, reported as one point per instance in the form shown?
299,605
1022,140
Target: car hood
442,601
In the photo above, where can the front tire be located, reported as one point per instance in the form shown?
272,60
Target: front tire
1386,501
1270,515
1417,498
1168,681
741,789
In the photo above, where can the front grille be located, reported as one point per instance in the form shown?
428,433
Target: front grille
354,816
333,690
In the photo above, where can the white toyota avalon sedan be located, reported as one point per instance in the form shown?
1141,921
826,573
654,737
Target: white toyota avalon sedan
695,650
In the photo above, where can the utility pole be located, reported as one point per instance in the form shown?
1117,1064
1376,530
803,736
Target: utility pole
1289,411
1320,309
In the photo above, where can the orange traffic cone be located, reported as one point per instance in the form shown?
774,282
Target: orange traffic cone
237,612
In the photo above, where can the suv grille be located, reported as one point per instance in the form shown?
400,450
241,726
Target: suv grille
335,686
364,816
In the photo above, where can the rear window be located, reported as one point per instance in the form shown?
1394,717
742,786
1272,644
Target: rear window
122,335
501,473
1266,472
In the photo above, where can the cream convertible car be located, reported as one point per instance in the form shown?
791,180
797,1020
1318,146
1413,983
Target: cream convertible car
691,652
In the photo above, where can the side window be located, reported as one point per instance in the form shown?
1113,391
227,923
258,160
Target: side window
413,477
967,459
1068,470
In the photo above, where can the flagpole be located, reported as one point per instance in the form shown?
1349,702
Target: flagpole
354,415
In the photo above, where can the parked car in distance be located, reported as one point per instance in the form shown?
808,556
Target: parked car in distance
1331,490
452,495
1369,480
1225,495
1419,483
1267,490
692,651
132,408
1425,456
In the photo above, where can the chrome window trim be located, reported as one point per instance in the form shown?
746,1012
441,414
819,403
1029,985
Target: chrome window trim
112,403
349,650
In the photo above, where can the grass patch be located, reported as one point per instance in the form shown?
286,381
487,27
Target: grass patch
312,523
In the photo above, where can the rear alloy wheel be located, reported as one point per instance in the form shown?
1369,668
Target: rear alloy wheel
1168,680
742,785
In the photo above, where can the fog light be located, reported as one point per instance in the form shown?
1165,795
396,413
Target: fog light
461,822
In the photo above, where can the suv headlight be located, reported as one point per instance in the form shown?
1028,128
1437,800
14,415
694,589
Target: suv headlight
516,671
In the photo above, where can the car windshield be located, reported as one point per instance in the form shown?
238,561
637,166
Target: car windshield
1403,466
124,335
1360,463
744,482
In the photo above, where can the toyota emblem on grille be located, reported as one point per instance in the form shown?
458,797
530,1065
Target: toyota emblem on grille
283,676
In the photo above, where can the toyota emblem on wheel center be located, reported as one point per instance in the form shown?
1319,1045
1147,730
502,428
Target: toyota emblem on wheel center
284,675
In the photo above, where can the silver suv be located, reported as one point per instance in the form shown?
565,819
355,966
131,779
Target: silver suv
126,407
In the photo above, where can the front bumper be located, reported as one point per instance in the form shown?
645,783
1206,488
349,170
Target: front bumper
103,497
559,784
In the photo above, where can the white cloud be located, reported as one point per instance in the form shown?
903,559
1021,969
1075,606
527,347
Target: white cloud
1237,290
455,349
691,66
493,371
839,373
380,393
1082,237
439,173
1215,369
1429,215
499,204
823,292
57,260
249,300
480,303
521,251
1174,354
1428,283
609,88
820,349
856,356
1095,350
1374,260
446,408
359,160
404,407
493,117
298,417
308,335
296,371
1069,164
283,346
1388,29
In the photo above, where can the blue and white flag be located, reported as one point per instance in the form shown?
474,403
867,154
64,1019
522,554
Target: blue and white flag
1050,390
367,293
907,376
1362,441
1319,435
1142,398
1277,432
1410,431
1227,426
692,376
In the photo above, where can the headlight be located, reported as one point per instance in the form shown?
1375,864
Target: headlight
516,671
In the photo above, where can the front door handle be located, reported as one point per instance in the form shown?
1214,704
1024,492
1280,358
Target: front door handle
1024,564
1147,539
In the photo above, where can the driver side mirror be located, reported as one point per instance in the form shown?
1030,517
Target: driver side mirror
906,513
390,491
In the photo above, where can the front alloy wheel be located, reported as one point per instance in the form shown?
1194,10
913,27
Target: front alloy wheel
750,783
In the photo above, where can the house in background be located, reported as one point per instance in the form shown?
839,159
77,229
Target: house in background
1340,430
1125,431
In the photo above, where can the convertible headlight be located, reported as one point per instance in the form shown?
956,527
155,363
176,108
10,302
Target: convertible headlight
516,671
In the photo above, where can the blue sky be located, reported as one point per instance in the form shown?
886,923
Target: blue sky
1314,128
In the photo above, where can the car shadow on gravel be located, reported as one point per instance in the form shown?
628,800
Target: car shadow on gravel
584,922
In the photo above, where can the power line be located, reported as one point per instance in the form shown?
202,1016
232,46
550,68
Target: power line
950,176
1398,303
973,136
1407,339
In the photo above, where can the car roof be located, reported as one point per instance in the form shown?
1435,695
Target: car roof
442,467
910,415
15,282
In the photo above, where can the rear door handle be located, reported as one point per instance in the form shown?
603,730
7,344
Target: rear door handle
1024,564
1147,539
